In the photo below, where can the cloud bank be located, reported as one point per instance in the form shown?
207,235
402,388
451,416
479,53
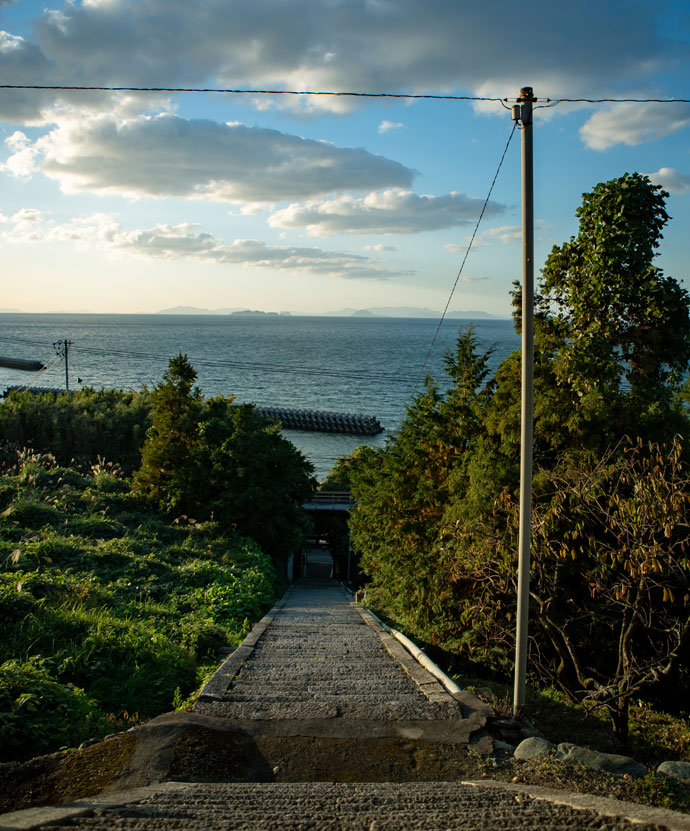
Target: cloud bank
589,49
171,156
185,241
392,211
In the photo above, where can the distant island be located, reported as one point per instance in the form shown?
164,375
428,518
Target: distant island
256,313
195,310
375,311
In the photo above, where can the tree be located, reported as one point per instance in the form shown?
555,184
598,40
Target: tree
219,460
250,478
610,576
402,491
176,406
622,328
436,508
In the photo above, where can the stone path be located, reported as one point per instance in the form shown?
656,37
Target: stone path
321,720
331,807
323,657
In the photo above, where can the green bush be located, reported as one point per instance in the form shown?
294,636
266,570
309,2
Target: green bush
107,606
38,713
217,460
81,426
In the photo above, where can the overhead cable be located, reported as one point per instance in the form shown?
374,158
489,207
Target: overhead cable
342,93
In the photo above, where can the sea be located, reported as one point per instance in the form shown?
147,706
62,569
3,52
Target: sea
367,365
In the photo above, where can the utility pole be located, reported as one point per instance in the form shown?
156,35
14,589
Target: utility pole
522,114
61,348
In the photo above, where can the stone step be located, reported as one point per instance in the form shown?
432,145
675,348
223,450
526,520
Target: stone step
343,807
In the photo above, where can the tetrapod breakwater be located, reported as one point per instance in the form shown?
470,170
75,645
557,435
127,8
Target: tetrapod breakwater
321,421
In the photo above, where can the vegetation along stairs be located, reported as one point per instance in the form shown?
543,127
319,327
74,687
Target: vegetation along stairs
320,719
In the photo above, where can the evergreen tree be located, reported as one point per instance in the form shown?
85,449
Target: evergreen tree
219,460
176,405
436,517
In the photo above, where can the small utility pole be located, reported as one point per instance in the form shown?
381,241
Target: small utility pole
522,114
61,348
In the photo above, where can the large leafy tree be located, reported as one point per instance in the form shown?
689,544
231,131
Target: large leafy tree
610,577
620,328
435,518
403,490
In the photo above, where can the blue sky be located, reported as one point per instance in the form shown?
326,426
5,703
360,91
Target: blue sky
136,202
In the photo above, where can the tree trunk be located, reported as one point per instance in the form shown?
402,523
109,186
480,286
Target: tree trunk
619,719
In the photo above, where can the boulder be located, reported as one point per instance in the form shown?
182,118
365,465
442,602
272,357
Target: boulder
676,770
533,748
610,762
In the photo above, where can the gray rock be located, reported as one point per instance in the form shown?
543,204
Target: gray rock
610,762
676,770
533,748
88,743
503,747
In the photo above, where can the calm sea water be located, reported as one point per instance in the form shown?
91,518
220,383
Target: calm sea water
357,365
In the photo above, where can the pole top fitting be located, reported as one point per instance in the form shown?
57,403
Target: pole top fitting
527,94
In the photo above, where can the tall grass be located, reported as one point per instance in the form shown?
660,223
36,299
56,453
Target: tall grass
110,613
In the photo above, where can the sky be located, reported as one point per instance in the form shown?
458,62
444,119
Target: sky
122,202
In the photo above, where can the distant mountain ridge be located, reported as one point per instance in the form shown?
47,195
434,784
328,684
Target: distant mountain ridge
412,311
375,311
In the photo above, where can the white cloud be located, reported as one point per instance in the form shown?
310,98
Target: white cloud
392,211
170,156
27,215
633,124
386,126
504,234
671,180
379,247
185,241
412,45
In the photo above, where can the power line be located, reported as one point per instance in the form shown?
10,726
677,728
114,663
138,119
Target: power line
464,259
616,100
343,93
61,88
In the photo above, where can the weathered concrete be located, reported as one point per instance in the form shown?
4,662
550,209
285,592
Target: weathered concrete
321,657
322,720
350,807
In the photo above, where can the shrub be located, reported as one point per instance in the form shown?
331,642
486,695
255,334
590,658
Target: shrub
38,713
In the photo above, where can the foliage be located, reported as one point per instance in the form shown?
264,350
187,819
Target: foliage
109,613
436,508
39,713
77,427
610,577
216,459
615,328
620,316
176,406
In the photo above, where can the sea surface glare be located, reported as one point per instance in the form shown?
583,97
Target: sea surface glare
364,365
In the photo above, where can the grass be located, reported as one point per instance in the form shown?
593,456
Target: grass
110,613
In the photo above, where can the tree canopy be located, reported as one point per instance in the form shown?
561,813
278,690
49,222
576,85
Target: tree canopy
217,459
436,507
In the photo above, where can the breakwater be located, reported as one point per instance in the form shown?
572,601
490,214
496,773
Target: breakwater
321,421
